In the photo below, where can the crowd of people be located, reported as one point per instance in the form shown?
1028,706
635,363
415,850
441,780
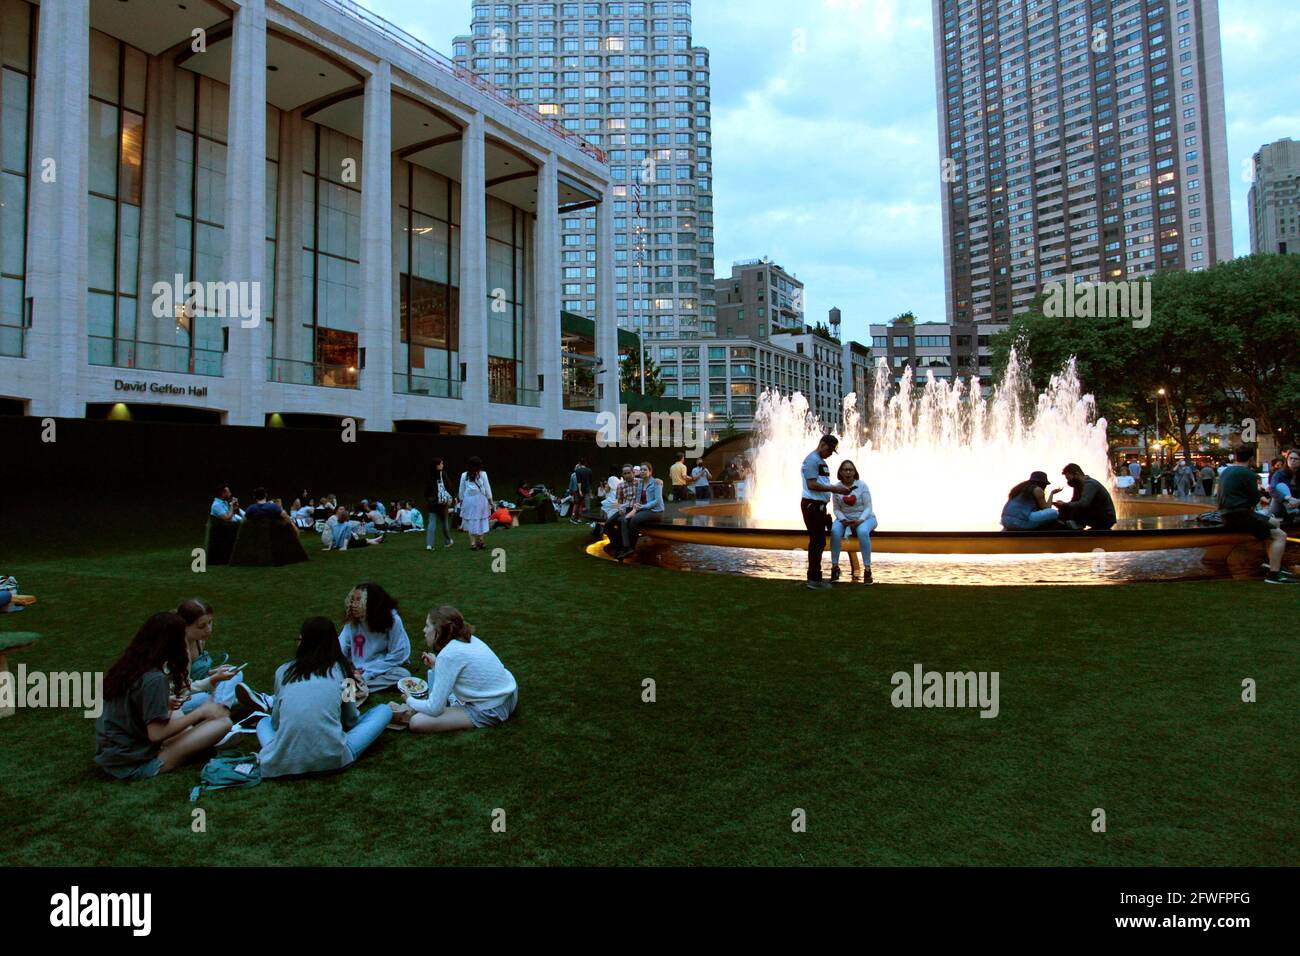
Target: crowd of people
168,702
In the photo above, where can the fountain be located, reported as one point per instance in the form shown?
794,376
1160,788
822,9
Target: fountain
939,458
941,455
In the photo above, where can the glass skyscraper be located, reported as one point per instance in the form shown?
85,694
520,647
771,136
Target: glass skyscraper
627,78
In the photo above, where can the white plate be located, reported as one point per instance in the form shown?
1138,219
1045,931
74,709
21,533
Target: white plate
413,686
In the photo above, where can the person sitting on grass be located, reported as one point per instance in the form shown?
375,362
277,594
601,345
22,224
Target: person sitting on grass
303,515
344,533
647,508
853,515
225,684
373,638
501,517
1028,508
316,724
1091,507
141,731
1238,496
469,687
10,599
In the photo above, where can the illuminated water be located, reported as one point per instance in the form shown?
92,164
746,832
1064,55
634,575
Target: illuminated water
939,455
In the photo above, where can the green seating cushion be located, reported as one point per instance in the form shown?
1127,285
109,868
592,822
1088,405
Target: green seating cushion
219,540
267,542
12,639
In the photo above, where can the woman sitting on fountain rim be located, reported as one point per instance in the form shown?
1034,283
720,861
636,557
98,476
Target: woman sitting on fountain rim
1028,508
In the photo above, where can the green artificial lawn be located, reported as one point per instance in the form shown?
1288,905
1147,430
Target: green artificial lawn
769,698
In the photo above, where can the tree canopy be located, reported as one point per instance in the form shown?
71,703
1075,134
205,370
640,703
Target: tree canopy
1224,344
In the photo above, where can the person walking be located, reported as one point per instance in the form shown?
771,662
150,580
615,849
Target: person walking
438,500
475,502
815,477
585,481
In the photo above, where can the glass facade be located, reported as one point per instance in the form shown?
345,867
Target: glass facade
428,255
15,117
331,256
507,272
115,174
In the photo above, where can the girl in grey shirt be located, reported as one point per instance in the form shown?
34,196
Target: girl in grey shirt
316,724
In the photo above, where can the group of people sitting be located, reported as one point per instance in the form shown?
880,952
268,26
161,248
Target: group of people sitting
1263,509
1031,507
632,499
167,701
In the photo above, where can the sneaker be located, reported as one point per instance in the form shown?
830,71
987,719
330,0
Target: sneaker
835,573
818,585
253,699
866,577
1281,577
428,547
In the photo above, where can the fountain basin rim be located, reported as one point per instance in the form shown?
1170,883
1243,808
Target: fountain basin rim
1217,542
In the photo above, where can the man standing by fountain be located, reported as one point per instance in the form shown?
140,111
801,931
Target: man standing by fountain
817,491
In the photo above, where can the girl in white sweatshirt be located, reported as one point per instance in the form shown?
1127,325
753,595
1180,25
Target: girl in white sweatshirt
853,515
485,693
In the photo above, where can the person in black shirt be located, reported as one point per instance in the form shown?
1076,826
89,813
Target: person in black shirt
584,476
1091,506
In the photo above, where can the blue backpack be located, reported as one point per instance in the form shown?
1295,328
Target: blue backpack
228,770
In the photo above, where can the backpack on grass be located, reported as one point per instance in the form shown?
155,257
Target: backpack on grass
228,770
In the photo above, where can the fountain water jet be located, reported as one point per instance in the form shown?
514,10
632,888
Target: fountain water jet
940,456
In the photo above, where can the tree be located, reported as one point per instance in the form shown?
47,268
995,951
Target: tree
1224,344
906,318
822,329
629,377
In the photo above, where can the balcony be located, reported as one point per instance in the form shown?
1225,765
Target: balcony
13,341
407,383
321,374
506,395
154,356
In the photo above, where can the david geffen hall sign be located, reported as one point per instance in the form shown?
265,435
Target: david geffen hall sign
162,389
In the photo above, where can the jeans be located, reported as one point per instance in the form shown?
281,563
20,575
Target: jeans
437,517
632,527
862,532
703,493
814,519
1034,521
364,733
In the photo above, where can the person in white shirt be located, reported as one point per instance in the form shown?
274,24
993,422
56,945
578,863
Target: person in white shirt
609,503
815,476
475,502
853,515
469,687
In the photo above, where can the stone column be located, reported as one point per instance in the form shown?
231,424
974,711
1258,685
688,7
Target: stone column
473,277
606,320
546,271
245,232
291,338
57,218
377,249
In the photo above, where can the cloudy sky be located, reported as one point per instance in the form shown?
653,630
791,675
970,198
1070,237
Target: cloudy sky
826,152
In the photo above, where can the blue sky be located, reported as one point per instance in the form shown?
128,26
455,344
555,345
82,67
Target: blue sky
826,153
